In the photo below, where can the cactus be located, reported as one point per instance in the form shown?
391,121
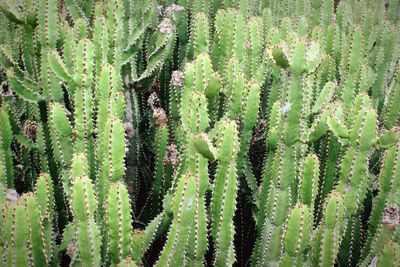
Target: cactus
188,133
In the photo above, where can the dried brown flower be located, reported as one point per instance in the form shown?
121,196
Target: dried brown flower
391,217
171,156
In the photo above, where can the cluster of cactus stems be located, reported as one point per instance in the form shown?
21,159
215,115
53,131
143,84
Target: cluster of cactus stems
199,133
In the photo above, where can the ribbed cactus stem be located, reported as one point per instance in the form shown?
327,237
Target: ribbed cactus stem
6,165
183,208
296,236
119,223
84,207
223,203
389,224
387,192
37,242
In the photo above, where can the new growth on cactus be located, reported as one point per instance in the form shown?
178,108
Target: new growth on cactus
200,133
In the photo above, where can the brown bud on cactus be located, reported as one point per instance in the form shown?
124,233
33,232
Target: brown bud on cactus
160,116
171,156
177,78
30,129
391,216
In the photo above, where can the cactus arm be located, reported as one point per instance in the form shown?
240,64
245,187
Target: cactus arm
296,236
47,22
250,115
392,110
57,66
161,139
349,89
119,223
36,235
183,209
84,206
21,235
5,149
199,37
326,241
74,9
308,187
25,89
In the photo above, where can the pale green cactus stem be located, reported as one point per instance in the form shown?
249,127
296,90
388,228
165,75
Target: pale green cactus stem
388,255
115,15
61,134
76,10
350,85
236,96
275,124
327,238
141,18
253,45
229,38
183,208
193,97
25,88
154,228
84,207
277,207
353,182
199,87
6,161
387,188
391,109
389,224
137,244
79,166
112,149
48,36
308,186
199,37
295,94
16,233
37,242
223,204
296,236
165,40
387,46
44,194
83,102
119,223
161,140
101,50
249,118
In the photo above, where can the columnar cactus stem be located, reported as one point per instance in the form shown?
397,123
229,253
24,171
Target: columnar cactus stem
6,165
162,142
183,208
296,236
327,238
388,186
84,207
119,223
37,242
223,203
44,193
